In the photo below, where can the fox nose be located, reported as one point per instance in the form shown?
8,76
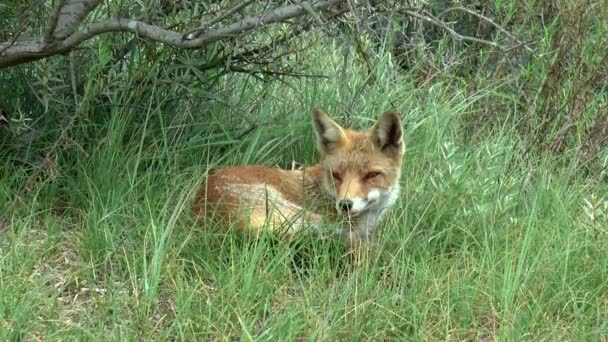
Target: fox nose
345,205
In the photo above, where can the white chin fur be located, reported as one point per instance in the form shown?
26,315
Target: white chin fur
376,199
359,205
391,197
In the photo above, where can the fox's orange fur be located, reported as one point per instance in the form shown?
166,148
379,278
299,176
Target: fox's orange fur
357,180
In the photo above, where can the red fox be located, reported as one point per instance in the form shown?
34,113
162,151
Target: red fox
355,183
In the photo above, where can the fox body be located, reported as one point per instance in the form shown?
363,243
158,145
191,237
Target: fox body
355,183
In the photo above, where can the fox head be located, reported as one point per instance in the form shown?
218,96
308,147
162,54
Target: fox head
362,169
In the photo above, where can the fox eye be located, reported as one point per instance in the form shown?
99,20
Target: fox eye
336,176
372,174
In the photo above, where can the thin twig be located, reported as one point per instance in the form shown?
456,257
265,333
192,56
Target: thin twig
3,119
488,20
427,17
274,73
73,77
14,39
195,33
24,20
522,44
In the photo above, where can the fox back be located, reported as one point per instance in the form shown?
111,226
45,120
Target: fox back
355,183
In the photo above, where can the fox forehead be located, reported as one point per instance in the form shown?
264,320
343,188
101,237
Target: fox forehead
358,163
360,154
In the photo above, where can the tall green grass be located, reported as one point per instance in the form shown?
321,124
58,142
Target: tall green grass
486,242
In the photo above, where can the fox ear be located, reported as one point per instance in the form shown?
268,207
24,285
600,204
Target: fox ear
330,136
388,134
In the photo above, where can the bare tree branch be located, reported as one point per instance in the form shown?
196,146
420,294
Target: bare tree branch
72,13
23,51
48,37
63,35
